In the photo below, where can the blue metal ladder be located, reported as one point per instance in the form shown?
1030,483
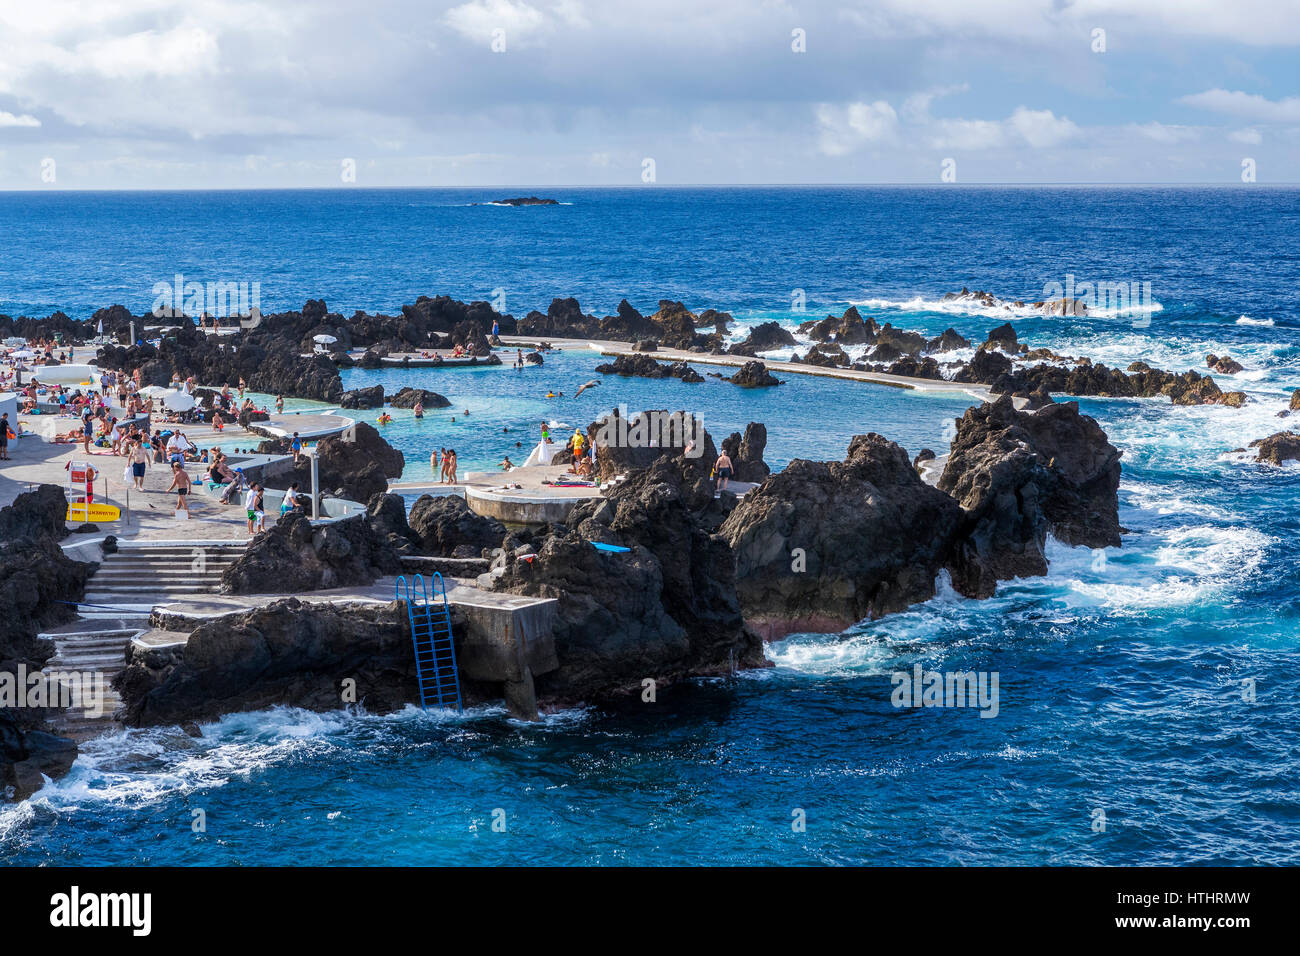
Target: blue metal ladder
435,653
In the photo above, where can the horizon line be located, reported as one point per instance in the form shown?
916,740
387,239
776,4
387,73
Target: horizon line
657,186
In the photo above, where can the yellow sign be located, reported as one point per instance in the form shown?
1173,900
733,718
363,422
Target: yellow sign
80,511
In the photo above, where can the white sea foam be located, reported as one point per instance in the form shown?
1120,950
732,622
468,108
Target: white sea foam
1179,567
1000,308
1247,320
142,767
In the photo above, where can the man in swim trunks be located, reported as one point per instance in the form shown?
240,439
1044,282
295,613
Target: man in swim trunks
723,469
181,485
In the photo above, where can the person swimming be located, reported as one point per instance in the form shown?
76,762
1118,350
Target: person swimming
385,418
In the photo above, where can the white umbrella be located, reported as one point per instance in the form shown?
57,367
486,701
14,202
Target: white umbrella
178,401
324,339
157,391
100,329
22,354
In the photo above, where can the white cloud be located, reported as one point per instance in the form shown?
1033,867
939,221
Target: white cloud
1041,128
967,134
845,128
1165,133
478,19
1250,137
1247,106
8,119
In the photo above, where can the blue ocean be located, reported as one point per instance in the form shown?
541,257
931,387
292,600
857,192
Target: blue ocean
1148,707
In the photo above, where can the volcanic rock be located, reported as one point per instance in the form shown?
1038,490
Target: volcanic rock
1019,475
822,545
446,526
409,397
754,375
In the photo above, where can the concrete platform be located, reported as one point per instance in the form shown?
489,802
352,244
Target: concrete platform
605,347
499,638
488,493
416,360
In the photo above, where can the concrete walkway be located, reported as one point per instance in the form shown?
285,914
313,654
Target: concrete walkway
978,392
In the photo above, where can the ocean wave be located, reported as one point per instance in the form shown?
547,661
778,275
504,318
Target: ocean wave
1179,567
141,767
1000,308
1247,320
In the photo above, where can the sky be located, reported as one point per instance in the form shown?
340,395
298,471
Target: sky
243,94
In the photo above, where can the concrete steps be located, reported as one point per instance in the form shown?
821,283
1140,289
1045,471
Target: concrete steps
137,576
87,661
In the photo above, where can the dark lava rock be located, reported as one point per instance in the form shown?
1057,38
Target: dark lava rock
372,397
827,355
646,345
754,375
907,343
356,470
987,366
922,368
37,579
848,329
1019,475
884,353
1004,338
408,397
947,341
822,545
292,555
39,513
446,526
761,338
526,201
746,453
645,367
665,610
288,652
626,445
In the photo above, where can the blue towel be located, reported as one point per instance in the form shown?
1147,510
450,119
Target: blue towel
601,546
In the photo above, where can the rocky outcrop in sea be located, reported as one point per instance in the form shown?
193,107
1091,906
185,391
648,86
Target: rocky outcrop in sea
644,366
